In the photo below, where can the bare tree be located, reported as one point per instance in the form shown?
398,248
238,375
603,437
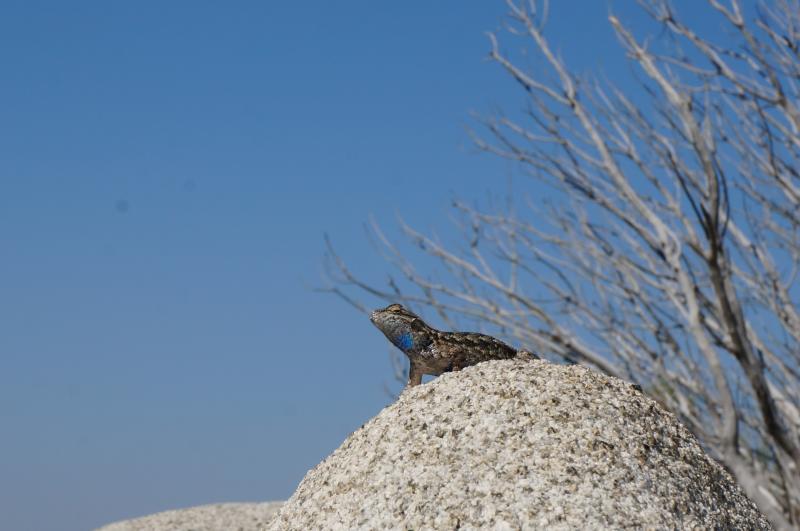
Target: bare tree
668,250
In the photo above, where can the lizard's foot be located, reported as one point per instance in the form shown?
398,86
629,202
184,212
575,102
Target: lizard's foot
453,367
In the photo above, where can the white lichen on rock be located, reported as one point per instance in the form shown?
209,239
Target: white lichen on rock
520,445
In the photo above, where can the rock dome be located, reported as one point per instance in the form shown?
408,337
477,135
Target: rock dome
520,445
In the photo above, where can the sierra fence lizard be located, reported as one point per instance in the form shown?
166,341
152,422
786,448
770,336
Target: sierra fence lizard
432,351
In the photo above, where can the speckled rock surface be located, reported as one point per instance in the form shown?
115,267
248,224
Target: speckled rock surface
217,517
520,445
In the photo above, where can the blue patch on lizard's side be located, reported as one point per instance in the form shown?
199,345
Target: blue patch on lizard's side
405,342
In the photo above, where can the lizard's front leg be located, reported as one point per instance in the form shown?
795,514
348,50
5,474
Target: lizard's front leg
414,375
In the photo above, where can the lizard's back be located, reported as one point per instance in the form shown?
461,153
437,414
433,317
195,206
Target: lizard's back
469,348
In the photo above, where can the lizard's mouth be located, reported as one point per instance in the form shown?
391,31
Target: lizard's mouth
373,316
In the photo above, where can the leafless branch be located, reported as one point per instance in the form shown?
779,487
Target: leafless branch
662,245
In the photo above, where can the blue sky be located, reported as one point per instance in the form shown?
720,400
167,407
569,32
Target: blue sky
167,173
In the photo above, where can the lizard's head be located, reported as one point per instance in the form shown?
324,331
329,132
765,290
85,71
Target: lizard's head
400,326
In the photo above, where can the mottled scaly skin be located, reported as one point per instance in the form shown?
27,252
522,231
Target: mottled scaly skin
432,351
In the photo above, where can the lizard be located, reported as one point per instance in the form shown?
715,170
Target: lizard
434,352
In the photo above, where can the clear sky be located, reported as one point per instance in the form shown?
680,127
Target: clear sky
167,173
